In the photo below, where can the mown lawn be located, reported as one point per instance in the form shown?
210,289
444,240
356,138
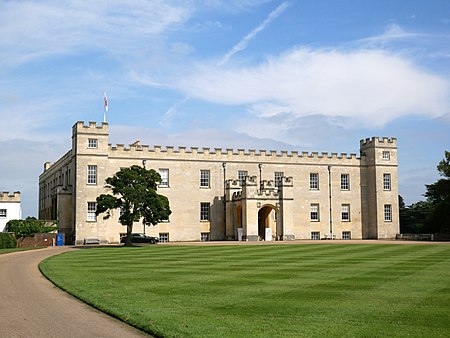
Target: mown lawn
294,290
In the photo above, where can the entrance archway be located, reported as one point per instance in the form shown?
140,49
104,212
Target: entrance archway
267,216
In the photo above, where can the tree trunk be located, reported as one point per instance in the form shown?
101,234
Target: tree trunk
129,231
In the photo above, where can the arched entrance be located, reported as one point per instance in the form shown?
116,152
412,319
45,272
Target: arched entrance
267,217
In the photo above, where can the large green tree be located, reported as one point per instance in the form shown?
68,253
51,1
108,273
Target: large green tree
438,194
134,193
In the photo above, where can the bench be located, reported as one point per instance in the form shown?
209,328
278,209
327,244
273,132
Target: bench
91,241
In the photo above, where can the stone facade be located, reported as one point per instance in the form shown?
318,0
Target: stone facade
229,195
9,207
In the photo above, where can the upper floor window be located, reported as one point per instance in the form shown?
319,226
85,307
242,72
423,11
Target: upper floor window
204,178
386,181
2,213
91,208
314,212
345,212
388,213
92,143
386,155
314,181
345,182
204,211
92,174
278,177
164,173
242,174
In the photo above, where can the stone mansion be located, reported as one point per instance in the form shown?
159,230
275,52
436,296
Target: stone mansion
228,194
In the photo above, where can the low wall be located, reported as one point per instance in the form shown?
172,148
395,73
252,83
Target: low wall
48,239
424,237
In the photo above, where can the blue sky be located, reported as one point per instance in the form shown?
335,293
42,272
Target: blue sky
285,75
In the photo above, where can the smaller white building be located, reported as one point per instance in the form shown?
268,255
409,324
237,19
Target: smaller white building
9,208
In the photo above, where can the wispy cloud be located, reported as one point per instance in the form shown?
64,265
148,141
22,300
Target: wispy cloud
392,32
240,46
49,28
243,44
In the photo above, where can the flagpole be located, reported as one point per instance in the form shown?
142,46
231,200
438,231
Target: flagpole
105,101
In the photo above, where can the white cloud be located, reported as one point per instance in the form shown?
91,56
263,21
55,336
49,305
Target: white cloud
371,86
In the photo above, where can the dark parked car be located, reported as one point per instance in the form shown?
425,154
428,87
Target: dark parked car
140,238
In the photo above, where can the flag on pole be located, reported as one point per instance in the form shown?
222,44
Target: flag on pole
106,102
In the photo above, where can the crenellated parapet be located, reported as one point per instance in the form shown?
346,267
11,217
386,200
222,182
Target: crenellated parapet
91,128
8,197
228,154
386,142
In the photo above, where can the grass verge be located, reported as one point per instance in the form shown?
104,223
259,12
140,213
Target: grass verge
5,251
265,290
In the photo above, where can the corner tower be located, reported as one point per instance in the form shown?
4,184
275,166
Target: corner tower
379,188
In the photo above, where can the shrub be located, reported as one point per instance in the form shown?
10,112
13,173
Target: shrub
28,227
7,241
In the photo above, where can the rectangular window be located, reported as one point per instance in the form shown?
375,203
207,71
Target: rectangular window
204,237
315,212
164,173
346,235
242,174
92,143
163,237
315,235
313,181
92,174
386,181
278,177
386,155
388,213
204,211
91,207
3,213
345,212
204,178
345,182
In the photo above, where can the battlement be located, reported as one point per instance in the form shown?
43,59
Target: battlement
223,154
6,196
380,142
91,127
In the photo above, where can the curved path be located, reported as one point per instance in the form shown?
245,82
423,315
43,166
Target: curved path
31,306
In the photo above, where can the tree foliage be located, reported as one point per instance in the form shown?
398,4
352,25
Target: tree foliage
28,227
432,215
134,193
7,241
438,194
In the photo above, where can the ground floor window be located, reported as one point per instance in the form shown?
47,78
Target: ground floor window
91,207
204,211
345,212
314,212
315,235
164,237
387,213
346,235
204,236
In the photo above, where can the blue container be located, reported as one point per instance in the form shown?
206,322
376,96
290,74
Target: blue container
59,239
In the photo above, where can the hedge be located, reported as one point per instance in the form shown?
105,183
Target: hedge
7,241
